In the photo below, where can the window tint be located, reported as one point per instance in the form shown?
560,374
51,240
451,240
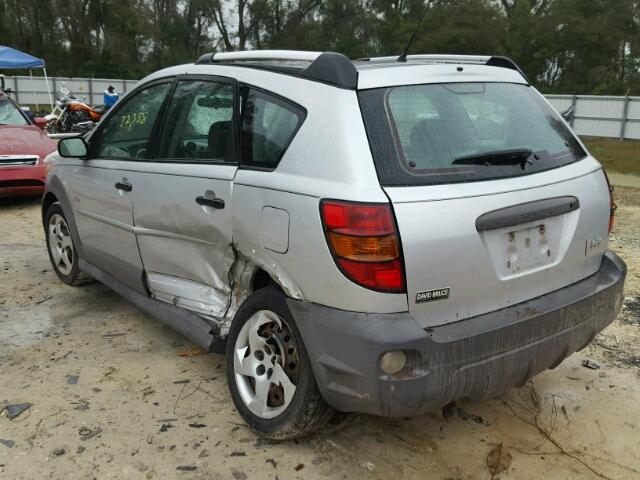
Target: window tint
200,122
268,126
460,132
126,133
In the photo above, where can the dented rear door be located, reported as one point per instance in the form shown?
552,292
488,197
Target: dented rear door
182,201
185,246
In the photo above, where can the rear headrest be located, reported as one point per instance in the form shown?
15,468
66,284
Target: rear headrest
220,140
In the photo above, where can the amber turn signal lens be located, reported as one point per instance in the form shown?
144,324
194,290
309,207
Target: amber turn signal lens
365,249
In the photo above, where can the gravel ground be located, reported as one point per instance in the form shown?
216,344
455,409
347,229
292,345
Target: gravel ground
114,398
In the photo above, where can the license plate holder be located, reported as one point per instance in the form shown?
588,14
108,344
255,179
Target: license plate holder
528,248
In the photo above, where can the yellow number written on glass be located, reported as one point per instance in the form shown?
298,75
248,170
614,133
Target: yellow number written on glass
133,120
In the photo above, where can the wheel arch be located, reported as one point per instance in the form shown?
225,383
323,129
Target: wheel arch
55,192
262,279
253,271
251,275
48,199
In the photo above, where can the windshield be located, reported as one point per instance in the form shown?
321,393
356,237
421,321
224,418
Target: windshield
461,132
9,113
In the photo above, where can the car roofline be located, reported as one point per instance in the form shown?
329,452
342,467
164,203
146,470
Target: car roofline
336,69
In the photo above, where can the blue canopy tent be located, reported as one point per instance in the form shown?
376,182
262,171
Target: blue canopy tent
10,58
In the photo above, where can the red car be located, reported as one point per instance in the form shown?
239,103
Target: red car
23,146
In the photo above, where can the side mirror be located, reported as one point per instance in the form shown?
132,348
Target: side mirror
73,147
40,122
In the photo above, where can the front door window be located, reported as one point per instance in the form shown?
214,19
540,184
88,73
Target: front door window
127,132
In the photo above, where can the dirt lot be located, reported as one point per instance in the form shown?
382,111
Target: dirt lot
94,366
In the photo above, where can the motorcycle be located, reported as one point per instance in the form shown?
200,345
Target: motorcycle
73,115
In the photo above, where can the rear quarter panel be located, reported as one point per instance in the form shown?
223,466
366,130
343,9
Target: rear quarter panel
328,158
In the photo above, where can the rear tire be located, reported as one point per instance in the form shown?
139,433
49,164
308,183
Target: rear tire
62,251
269,372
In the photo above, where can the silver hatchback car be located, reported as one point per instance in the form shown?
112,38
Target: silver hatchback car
375,236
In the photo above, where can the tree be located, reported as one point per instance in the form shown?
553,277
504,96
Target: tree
595,40
574,46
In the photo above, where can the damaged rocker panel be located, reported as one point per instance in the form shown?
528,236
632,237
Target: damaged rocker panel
194,296
192,326
213,304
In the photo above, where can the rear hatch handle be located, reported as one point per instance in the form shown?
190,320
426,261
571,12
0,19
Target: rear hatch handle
526,212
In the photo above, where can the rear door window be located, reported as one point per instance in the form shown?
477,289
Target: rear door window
460,132
269,123
199,122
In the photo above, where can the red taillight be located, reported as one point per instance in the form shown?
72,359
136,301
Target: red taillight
612,203
360,220
365,244
387,276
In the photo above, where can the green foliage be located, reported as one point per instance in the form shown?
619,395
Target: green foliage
567,46
616,155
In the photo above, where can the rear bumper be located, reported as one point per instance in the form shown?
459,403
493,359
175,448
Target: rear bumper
478,357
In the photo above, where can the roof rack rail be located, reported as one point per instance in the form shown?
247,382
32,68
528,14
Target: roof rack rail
326,67
432,58
259,55
490,60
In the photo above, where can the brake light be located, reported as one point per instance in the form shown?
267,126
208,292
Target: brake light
612,204
364,243
358,218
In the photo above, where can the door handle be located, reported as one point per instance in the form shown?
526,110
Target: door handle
127,187
210,202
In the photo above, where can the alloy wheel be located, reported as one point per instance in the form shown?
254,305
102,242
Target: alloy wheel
61,244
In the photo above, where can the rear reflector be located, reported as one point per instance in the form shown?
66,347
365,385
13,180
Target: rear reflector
364,243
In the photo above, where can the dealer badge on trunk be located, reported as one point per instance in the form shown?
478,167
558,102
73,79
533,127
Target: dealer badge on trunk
432,295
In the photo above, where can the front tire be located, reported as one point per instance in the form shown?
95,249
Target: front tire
269,371
62,251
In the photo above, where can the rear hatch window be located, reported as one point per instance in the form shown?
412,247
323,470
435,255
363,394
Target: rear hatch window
463,132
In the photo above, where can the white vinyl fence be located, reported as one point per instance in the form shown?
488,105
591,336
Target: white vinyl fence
33,91
602,116
595,115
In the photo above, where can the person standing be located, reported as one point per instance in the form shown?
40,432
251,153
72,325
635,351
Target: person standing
110,97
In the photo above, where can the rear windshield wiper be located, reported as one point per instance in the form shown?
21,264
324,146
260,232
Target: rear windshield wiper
514,156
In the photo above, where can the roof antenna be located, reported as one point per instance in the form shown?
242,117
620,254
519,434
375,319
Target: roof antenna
403,56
